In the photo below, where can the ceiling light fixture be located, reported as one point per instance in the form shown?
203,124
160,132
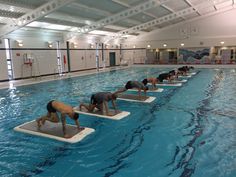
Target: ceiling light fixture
49,44
19,43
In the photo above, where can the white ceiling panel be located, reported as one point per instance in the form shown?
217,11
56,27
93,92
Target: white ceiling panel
206,10
223,4
158,11
142,18
196,2
176,5
129,2
106,5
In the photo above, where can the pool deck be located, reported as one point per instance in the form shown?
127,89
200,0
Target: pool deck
15,83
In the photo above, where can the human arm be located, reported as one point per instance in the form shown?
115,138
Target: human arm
106,108
139,93
145,91
63,121
114,105
120,90
78,125
154,83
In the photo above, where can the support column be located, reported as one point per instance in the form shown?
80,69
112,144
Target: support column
121,57
68,55
97,56
103,60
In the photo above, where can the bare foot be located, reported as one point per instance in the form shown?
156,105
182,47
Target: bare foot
38,123
81,129
117,112
67,136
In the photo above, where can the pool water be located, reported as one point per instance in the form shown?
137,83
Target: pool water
187,131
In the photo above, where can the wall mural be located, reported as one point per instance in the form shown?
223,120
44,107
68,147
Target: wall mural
194,55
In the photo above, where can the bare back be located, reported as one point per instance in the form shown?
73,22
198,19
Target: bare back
152,80
62,108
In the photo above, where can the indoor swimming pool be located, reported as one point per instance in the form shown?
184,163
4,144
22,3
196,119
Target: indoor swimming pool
188,131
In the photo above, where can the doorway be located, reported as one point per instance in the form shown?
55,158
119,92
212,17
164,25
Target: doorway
112,56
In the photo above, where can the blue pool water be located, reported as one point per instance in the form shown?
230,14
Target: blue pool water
187,131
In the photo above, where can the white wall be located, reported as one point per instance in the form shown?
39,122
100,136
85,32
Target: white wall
44,58
82,59
209,30
45,62
134,55
3,62
107,56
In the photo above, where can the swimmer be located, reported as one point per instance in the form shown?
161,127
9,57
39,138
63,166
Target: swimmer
134,85
100,100
151,80
164,76
54,107
184,69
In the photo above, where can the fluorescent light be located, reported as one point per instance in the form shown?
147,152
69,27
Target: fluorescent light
222,42
148,46
164,45
99,32
49,26
182,44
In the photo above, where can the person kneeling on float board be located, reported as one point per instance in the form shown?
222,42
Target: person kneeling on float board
134,85
158,80
65,110
100,100
151,80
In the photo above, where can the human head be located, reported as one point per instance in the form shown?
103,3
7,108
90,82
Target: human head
145,81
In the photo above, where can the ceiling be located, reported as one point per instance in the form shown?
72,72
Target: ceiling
102,17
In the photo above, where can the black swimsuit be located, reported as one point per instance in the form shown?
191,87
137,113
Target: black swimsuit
50,108
93,100
100,97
